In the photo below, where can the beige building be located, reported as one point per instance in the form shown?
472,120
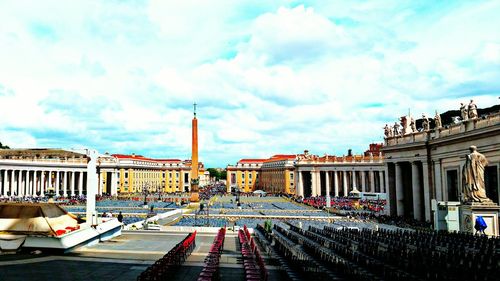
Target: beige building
427,165
277,174
244,175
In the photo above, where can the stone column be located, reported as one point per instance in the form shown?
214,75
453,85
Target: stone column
363,181
80,183
19,182
4,179
101,185
346,188
72,184
318,183
57,183
92,185
438,181
399,190
300,188
35,182
114,186
313,183
415,182
427,193
65,184
372,181
381,181
335,184
42,184
354,183
327,183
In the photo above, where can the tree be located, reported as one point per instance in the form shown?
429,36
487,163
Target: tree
217,173
214,173
3,146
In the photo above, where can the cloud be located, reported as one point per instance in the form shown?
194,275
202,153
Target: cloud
43,31
269,77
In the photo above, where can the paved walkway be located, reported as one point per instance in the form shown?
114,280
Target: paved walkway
124,258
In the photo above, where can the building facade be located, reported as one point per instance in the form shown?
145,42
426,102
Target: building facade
307,175
277,174
28,172
338,176
427,164
243,176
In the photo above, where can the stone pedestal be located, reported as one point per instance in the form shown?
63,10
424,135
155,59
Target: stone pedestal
195,197
489,212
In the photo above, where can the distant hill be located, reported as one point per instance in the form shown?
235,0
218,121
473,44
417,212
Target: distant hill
446,117
3,146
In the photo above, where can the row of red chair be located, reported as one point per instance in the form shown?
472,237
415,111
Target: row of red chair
210,270
253,262
161,269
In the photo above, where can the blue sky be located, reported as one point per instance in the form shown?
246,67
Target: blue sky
268,76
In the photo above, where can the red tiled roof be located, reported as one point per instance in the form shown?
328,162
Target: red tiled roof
140,157
251,160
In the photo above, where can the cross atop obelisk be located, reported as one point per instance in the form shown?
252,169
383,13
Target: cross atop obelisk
194,105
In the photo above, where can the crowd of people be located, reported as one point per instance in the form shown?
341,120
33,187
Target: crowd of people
344,203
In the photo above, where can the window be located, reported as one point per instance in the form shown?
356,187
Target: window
126,175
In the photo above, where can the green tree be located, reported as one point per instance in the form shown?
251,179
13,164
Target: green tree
223,174
214,173
3,146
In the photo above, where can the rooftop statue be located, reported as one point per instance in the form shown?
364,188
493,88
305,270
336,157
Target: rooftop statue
395,129
473,178
425,123
463,112
387,131
405,125
472,110
437,120
413,125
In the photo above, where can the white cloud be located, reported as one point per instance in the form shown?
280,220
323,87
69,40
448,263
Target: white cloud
268,79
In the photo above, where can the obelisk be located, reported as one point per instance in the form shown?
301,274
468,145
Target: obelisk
194,158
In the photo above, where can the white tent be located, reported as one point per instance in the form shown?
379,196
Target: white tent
35,218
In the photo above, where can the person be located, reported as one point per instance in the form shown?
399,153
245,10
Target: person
473,177
480,225
463,112
120,217
472,110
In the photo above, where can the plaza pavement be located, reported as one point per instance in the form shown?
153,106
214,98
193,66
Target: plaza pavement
124,258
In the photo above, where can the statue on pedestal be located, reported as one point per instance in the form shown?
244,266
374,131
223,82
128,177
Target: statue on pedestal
472,110
463,112
396,129
387,131
437,120
473,178
425,123
413,125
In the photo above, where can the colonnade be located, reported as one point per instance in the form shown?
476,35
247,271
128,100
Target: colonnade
36,182
409,183
340,182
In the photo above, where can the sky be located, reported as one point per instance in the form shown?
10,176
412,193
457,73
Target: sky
269,77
